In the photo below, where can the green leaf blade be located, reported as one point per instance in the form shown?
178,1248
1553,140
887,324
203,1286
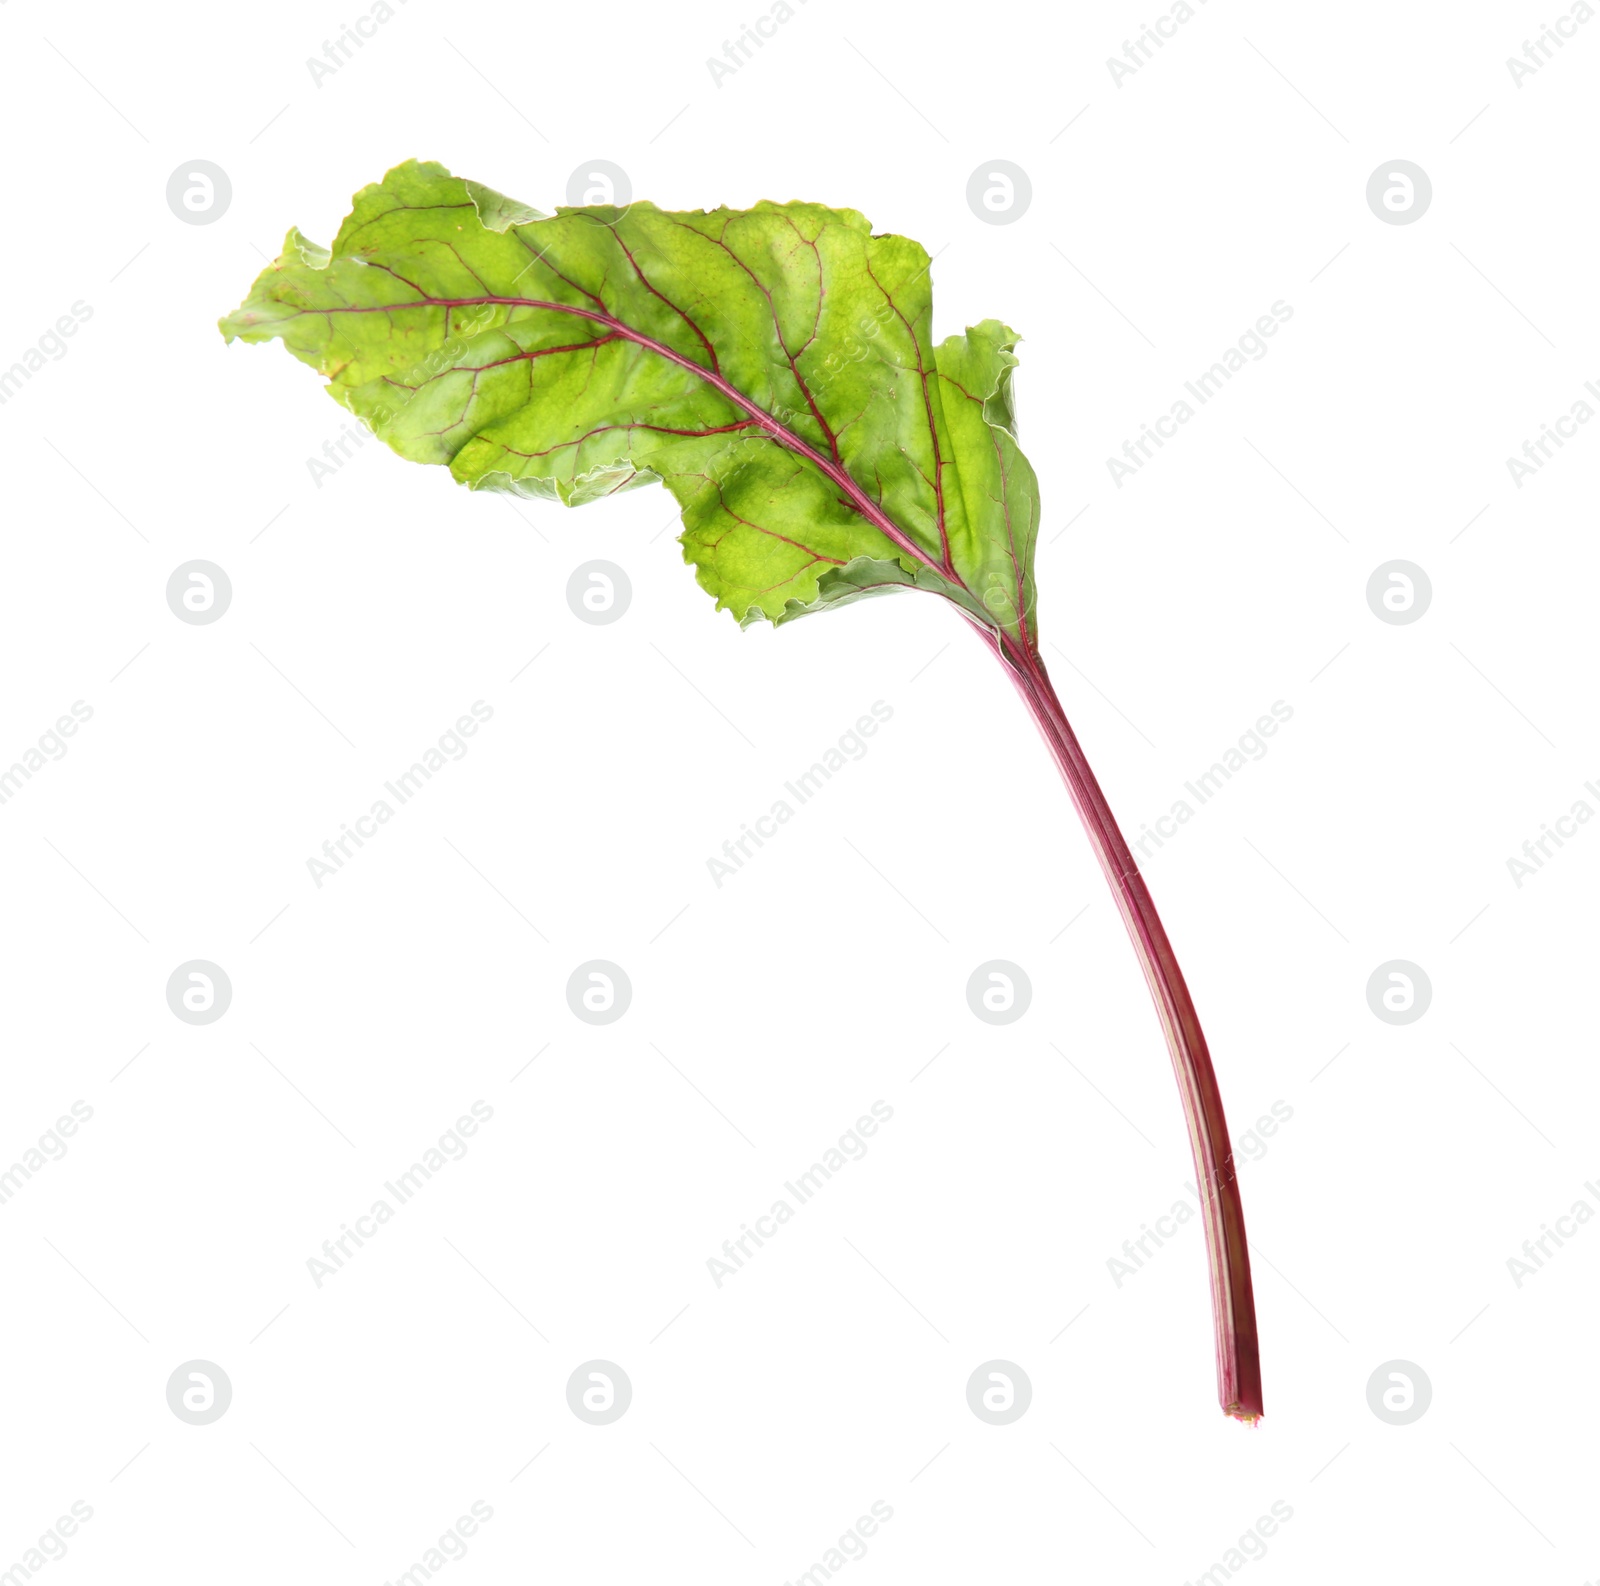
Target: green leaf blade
772,367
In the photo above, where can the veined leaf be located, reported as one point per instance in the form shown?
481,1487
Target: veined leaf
773,367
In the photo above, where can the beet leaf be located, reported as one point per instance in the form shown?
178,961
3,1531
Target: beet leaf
775,369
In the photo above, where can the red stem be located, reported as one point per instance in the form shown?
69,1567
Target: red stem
1232,1298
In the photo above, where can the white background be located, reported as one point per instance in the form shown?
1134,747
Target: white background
368,613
